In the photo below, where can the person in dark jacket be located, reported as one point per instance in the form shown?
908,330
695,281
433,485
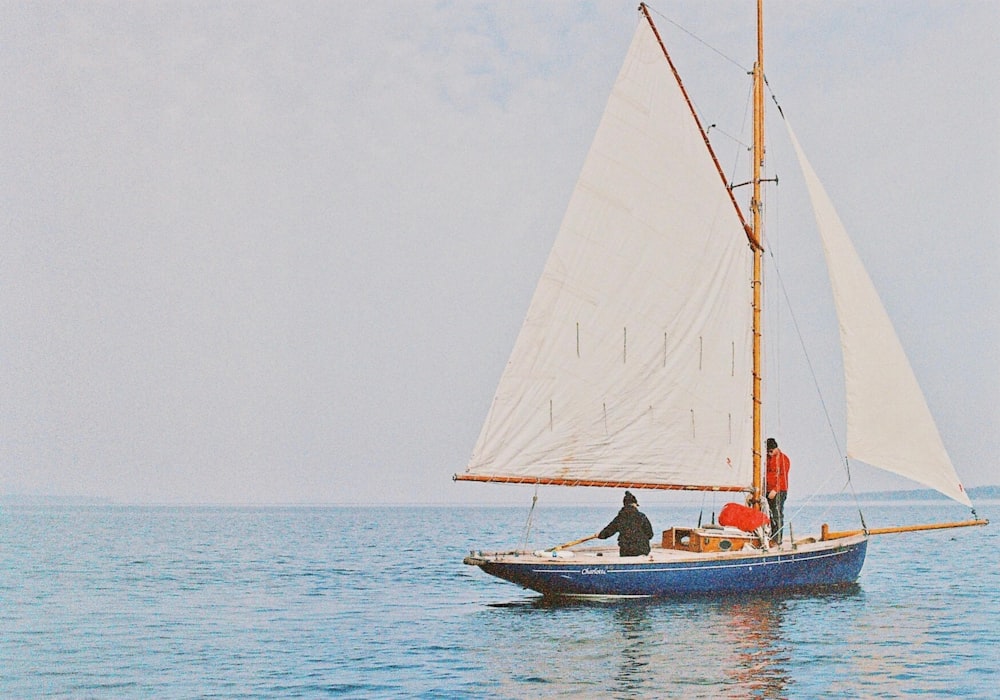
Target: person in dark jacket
633,528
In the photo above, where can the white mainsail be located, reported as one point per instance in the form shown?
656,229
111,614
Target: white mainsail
888,422
633,365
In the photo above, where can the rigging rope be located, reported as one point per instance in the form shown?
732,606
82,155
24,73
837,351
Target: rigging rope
527,525
699,40
795,323
747,108
749,101
819,391
805,352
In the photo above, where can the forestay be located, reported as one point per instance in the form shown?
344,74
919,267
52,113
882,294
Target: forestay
888,422
633,365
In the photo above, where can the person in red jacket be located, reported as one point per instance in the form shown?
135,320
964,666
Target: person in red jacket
778,465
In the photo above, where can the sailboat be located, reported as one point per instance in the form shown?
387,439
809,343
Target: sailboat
639,364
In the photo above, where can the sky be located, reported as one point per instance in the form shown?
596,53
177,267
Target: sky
262,253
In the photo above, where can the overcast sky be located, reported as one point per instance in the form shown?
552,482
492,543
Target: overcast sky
279,252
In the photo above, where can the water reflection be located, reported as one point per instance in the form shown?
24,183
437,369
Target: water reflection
737,646
758,633
635,650
760,658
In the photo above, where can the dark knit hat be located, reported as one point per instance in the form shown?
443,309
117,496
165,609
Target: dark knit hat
629,498
771,443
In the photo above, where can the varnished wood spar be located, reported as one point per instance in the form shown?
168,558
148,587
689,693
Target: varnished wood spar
554,481
570,544
757,205
827,535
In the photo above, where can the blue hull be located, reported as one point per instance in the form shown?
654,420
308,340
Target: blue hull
833,566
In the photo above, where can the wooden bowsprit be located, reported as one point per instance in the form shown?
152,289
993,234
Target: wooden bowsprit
826,534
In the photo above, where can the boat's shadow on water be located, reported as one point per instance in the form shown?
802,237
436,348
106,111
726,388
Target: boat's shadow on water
541,602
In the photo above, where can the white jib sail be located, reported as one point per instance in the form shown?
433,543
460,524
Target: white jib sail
888,423
634,362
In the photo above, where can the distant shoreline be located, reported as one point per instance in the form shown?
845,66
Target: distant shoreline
978,494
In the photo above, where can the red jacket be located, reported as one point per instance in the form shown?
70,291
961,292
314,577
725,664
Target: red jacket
777,471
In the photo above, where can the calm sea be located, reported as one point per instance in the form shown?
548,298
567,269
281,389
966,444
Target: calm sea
162,602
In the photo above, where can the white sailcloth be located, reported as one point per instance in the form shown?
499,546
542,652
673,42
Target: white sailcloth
633,365
888,422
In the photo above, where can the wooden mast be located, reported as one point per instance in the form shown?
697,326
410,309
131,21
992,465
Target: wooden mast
758,256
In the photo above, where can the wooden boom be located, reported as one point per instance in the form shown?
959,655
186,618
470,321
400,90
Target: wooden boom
827,535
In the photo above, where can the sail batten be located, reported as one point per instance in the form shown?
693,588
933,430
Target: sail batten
633,363
889,424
